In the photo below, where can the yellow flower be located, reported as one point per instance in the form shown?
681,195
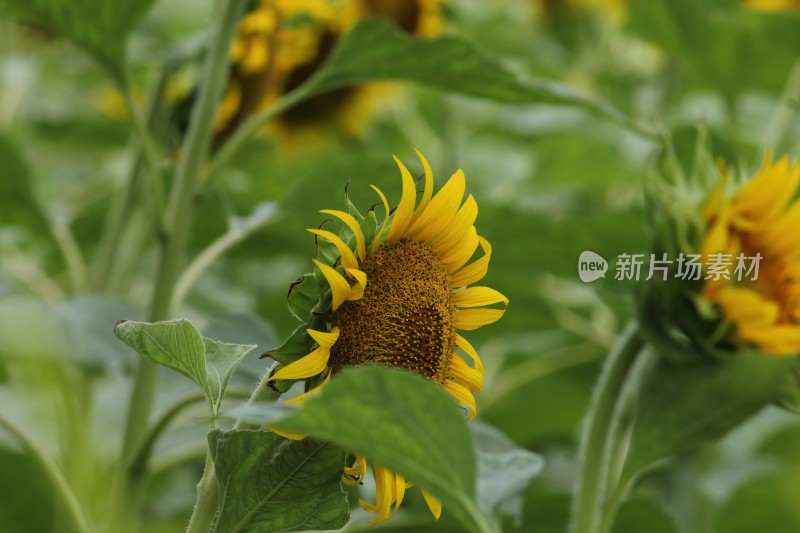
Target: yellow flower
281,43
772,5
760,220
400,301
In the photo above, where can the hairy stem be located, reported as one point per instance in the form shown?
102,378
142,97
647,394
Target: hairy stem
594,454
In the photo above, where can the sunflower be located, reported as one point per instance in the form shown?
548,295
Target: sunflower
399,299
281,43
772,5
760,221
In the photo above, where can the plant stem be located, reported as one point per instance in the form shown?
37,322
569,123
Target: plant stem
205,509
594,453
80,523
178,216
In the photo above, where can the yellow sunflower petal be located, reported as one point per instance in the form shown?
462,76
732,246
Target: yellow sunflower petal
351,223
718,236
405,209
434,504
340,289
384,480
377,242
475,271
357,290
459,255
463,395
470,377
348,257
398,491
462,343
308,366
478,296
767,194
458,227
441,209
325,339
475,318
746,307
428,192
288,434
300,398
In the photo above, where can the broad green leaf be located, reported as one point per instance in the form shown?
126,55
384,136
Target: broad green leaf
768,503
376,49
788,396
682,406
178,345
402,422
99,26
268,483
221,360
504,470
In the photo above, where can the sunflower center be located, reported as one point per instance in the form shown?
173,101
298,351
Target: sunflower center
775,280
405,318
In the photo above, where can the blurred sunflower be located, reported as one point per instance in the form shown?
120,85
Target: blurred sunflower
398,298
772,5
615,11
281,43
761,220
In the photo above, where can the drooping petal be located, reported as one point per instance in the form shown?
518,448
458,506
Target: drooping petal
308,366
475,318
353,475
471,378
405,209
351,223
434,504
288,434
441,209
463,395
377,242
325,339
478,296
300,398
348,257
340,289
475,271
462,343
357,290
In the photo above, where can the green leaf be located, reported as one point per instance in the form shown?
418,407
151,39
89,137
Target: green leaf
17,200
178,345
98,26
683,406
268,483
376,49
504,470
768,503
403,422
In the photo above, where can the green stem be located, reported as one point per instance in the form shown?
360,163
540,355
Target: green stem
80,523
594,453
187,177
123,201
71,252
205,509
149,151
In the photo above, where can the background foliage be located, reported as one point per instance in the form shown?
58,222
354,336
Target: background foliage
553,110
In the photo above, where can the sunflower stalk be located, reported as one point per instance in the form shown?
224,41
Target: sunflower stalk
597,439
178,222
